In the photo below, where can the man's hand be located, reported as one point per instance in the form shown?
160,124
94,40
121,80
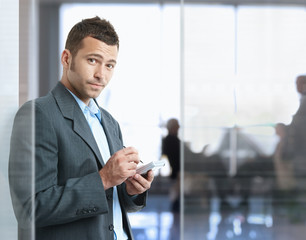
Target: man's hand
119,167
138,183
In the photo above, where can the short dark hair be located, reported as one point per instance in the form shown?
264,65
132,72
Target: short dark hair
97,28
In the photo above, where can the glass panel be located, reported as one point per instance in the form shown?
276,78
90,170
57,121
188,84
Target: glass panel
240,67
9,22
144,92
209,66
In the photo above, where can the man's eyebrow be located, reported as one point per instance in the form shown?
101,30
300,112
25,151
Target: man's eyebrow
112,60
94,55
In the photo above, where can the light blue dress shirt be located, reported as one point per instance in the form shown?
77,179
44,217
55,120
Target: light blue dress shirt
92,114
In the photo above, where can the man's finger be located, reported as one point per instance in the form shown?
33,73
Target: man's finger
129,150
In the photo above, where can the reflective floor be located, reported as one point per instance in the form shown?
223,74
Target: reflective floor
262,218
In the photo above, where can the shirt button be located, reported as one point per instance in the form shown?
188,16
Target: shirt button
111,227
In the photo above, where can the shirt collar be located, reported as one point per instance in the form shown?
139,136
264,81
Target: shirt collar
92,106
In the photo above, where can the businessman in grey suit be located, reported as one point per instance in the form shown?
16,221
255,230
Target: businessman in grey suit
72,151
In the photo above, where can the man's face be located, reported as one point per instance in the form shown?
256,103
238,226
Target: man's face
91,69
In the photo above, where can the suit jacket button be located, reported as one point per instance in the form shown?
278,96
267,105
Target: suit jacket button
111,227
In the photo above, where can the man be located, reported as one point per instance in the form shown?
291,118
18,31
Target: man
171,147
171,150
85,181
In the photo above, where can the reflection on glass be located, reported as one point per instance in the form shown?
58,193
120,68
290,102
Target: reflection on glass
235,110
9,79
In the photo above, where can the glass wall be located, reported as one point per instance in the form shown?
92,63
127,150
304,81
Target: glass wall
240,69
9,22
144,91
228,74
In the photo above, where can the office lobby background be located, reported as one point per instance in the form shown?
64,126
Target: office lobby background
222,68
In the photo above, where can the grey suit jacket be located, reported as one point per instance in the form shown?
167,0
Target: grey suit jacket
53,149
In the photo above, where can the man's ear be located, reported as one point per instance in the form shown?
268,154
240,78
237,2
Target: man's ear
66,58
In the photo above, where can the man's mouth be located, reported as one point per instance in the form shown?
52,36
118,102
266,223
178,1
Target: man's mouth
98,85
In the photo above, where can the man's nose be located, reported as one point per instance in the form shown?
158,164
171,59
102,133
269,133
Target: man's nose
99,73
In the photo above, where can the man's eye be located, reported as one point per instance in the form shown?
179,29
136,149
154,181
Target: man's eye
110,66
91,60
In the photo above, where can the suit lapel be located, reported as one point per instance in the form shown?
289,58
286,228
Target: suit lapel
71,110
110,132
108,129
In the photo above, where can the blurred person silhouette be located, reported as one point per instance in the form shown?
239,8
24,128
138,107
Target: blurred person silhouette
295,147
294,151
171,149
84,179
